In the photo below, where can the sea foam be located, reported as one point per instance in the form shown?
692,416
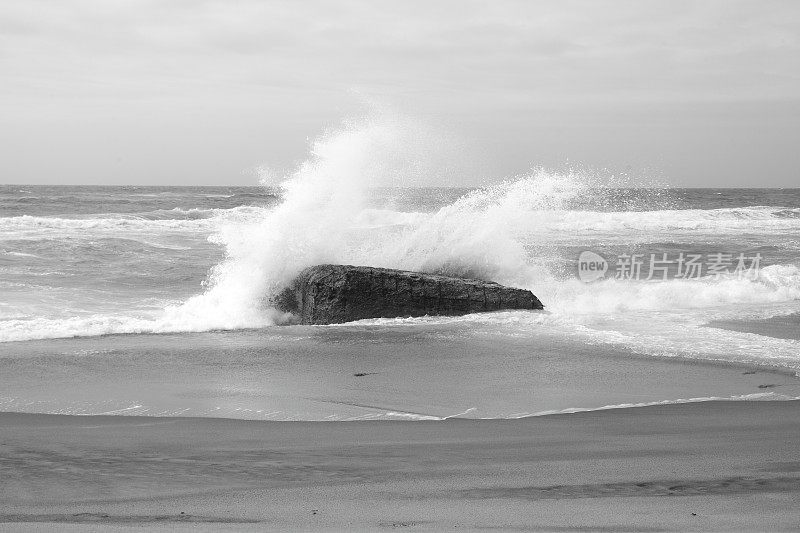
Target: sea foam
514,232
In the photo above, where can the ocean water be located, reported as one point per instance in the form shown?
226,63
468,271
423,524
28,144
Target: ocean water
156,300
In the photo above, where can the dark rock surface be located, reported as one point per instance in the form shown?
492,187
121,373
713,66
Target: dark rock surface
331,294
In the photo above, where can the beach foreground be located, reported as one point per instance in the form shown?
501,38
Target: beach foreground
701,466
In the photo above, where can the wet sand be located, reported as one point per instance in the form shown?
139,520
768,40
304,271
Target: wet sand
704,466
357,372
779,327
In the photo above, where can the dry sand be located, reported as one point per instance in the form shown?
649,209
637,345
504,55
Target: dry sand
707,466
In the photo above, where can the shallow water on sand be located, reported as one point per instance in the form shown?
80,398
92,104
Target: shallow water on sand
778,327
425,371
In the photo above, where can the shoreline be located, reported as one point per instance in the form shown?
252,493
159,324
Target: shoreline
716,465
776,327
307,373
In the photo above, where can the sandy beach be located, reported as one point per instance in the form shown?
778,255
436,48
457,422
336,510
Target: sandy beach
702,466
412,265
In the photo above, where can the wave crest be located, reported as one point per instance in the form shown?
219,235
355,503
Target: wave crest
513,233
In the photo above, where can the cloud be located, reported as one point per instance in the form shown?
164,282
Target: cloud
283,63
646,49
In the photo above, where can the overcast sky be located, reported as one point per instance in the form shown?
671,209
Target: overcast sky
198,92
